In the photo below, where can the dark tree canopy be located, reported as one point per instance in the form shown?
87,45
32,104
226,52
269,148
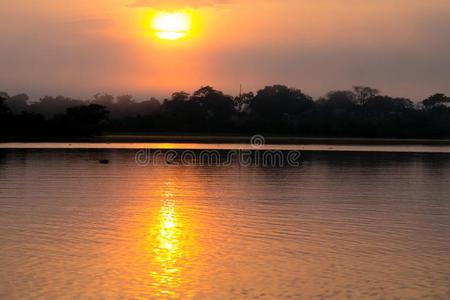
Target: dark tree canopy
274,102
364,93
5,114
386,104
277,110
339,100
18,103
51,106
84,120
436,99
216,106
4,109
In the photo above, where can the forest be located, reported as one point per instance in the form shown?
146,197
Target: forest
274,110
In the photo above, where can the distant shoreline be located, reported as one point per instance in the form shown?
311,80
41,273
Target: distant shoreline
230,139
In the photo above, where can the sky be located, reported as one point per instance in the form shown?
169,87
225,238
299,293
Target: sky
80,48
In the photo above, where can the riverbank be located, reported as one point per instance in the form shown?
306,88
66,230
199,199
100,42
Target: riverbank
230,139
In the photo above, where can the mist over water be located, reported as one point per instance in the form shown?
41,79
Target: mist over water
342,226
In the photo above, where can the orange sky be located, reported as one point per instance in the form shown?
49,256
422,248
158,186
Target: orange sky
79,48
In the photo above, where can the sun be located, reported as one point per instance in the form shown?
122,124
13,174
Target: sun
172,25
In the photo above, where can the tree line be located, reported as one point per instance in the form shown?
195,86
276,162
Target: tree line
276,110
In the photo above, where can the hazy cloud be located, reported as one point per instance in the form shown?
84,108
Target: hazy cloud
178,3
400,48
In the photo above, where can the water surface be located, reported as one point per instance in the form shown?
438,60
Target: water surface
342,226
331,147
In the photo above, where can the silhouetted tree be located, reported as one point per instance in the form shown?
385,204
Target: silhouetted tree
28,124
278,101
339,101
242,102
125,100
51,106
179,114
180,96
83,120
361,112
364,93
18,103
148,107
5,115
217,107
336,115
386,104
105,100
4,109
436,99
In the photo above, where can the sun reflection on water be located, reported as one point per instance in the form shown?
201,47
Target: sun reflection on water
169,251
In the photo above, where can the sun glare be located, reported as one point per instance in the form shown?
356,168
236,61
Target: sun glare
172,26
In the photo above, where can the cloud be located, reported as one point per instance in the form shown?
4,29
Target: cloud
178,3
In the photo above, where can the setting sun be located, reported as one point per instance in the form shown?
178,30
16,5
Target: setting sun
172,26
